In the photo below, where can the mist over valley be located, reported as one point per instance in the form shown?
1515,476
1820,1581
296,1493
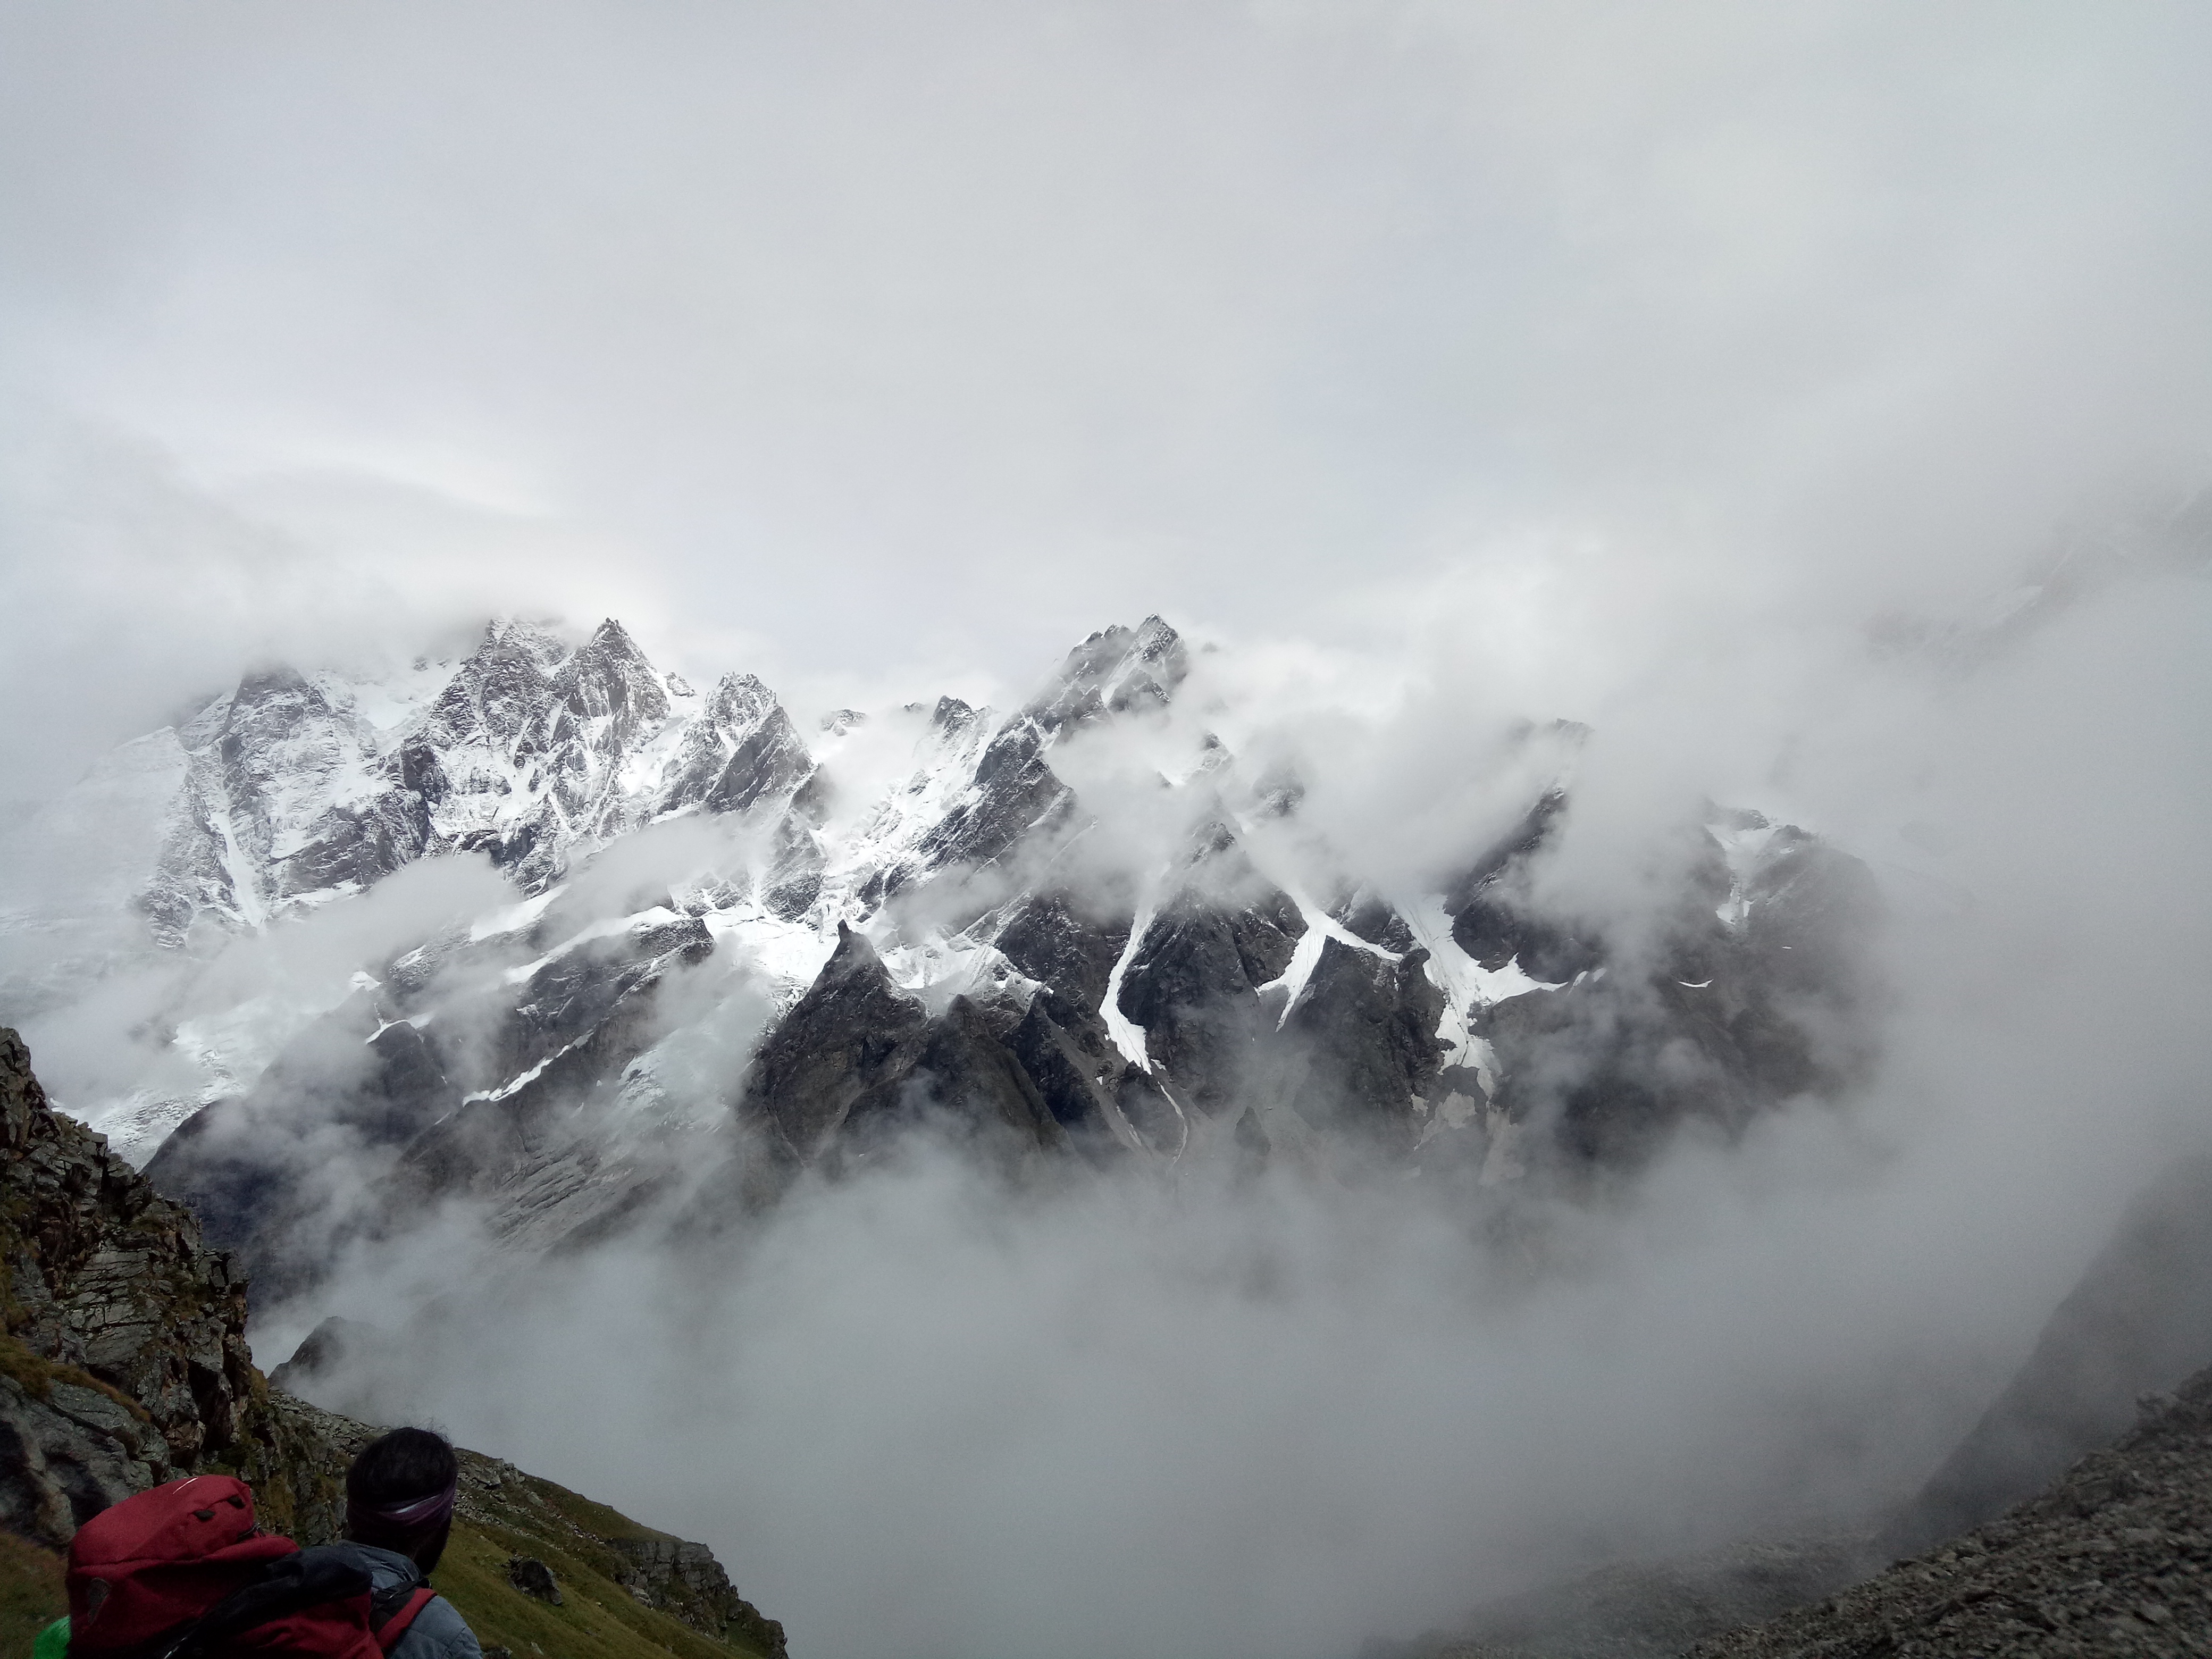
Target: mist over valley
1256,830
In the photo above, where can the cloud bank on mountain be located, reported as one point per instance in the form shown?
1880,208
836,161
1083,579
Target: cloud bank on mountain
1808,405
774,327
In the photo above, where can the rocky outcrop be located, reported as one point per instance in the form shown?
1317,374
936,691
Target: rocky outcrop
127,1337
742,749
1015,793
1751,989
1366,1030
853,1036
1115,670
685,1580
857,1061
1193,984
1106,1106
1495,917
533,1577
238,1163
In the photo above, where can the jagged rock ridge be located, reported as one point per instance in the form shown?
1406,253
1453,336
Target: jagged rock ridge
948,938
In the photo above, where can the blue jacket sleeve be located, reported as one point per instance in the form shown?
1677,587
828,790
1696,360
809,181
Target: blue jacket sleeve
438,1632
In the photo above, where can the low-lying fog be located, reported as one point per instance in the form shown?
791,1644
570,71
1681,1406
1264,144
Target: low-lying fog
1719,375
917,1413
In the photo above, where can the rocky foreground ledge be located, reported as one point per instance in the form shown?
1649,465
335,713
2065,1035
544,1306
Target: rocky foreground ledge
124,1363
2116,1558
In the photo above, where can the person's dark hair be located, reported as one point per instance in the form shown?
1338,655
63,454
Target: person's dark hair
399,1494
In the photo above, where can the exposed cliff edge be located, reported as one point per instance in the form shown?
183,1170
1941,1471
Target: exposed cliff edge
125,1363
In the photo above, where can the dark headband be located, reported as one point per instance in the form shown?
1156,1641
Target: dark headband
416,1515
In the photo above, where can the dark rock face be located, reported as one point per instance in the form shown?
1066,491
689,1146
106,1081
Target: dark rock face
366,1080
107,1276
247,1166
324,1352
1493,920
1367,1028
1050,939
126,1362
1266,933
853,1035
2139,1321
1015,794
741,748
1189,988
362,844
792,880
1710,1020
1106,1106
963,1078
1365,915
1193,981
857,1061
768,760
608,685
531,1146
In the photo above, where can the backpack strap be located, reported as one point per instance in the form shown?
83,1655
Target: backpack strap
389,1632
281,1588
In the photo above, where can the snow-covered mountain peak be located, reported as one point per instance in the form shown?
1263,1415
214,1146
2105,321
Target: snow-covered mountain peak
609,680
1115,671
1090,893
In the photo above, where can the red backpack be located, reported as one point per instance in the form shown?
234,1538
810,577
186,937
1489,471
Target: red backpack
182,1571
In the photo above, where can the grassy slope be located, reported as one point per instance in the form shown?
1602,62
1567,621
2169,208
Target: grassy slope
563,1529
598,1619
30,1593
596,1616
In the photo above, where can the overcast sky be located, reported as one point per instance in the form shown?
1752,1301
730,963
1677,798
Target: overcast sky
1627,362
883,347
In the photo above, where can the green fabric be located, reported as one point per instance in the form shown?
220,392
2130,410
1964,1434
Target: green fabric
53,1641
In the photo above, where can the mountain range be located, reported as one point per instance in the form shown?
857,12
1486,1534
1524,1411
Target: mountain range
686,932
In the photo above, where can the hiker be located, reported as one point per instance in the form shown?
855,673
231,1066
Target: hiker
186,1572
399,1511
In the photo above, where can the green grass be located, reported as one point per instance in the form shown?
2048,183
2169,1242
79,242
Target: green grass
31,1596
597,1619
593,1517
